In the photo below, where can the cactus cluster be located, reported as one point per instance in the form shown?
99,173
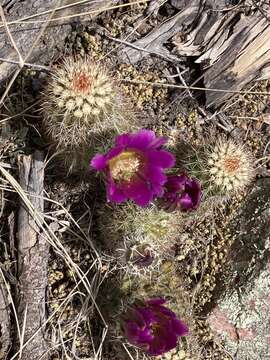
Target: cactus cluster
128,226
148,198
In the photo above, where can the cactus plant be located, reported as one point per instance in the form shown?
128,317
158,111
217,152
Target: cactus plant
230,166
82,101
224,167
127,225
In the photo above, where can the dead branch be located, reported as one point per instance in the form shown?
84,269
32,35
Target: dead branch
33,252
5,338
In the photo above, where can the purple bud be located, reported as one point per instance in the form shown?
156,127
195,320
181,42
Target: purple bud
152,327
182,192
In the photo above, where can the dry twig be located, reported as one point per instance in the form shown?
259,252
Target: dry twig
33,252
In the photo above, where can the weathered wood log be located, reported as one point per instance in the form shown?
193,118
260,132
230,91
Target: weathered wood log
232,47
5,326
27,30
237,54
33,252
153,43
5,337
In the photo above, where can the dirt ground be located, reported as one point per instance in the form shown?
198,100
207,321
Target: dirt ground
86,290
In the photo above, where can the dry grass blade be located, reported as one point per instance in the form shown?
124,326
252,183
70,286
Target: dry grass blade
23,332
81,2
128,352
167,85
37,66
5,328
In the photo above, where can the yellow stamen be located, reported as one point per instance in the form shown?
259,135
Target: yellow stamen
125,165
155,329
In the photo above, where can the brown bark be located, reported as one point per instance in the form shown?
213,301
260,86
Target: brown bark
33,252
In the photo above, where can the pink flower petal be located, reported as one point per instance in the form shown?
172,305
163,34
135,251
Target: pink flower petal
179,327
123,140
161,158
154,174
114,194
156,301
157,190
176,183
113,153
98,162
142,139
132,331
186,202
139,192
144,199
158,142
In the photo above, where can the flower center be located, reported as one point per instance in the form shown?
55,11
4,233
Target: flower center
155,329
81,82
231,164
125,165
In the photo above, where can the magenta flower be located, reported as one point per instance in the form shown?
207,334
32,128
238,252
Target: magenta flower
182,192
134,168
153,327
